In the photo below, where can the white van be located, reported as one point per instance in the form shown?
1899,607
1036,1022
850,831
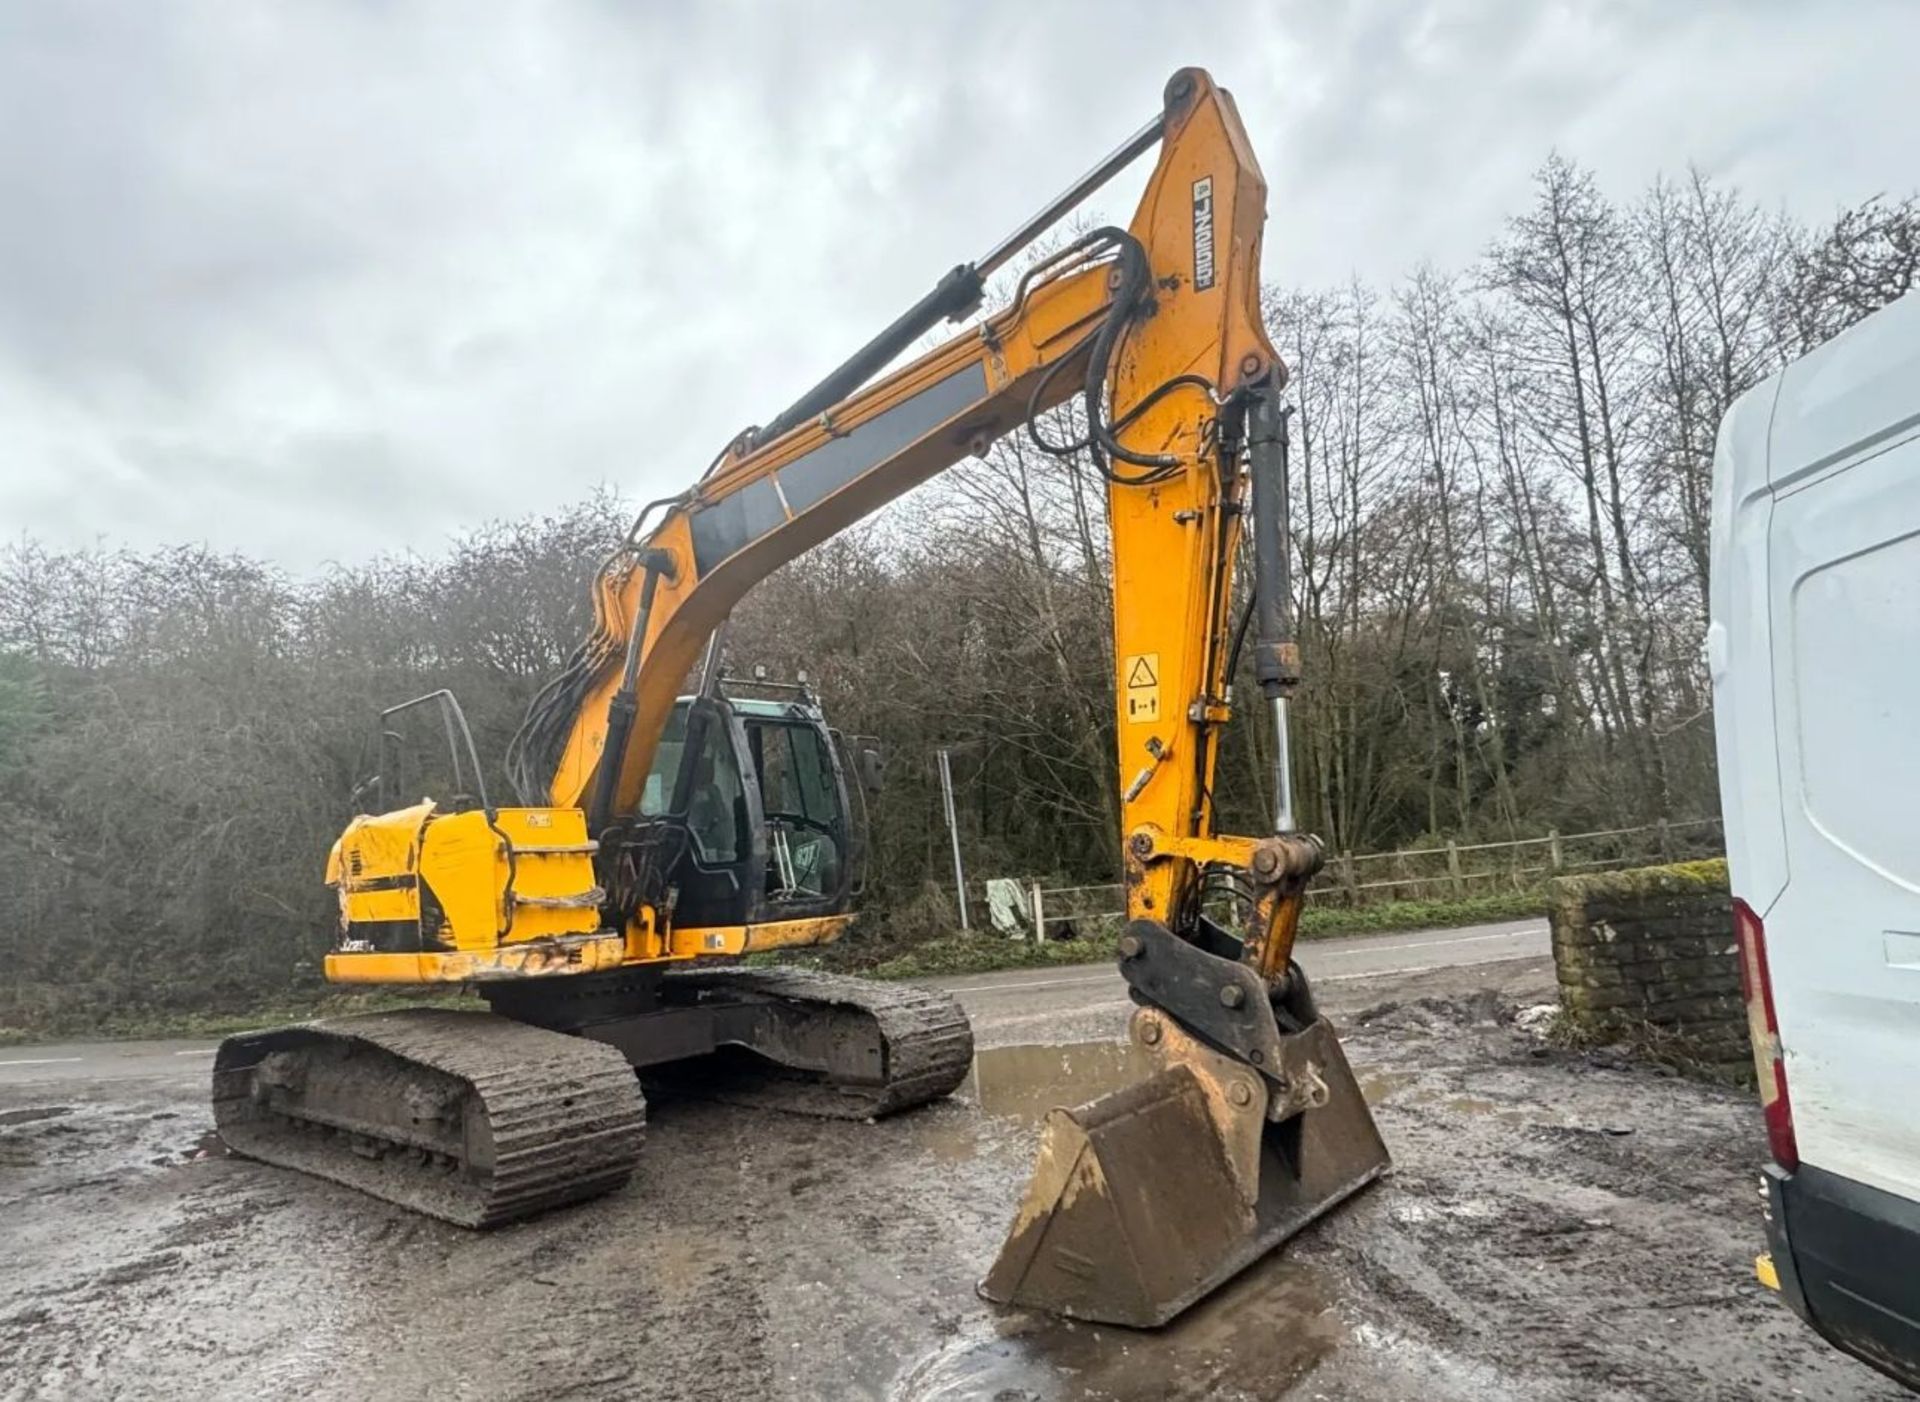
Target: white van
1814,646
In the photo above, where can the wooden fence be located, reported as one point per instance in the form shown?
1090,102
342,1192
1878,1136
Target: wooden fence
1449,871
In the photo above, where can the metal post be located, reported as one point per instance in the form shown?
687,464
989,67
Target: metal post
953,832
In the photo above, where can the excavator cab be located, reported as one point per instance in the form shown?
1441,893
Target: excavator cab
765,827
745,820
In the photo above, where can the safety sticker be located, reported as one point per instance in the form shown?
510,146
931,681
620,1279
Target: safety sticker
1143,687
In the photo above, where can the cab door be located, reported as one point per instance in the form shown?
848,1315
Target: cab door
806,835
697,791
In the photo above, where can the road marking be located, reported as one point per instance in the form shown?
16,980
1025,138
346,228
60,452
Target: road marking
41,1061
198,1051
1388,973
1107,971
1429,944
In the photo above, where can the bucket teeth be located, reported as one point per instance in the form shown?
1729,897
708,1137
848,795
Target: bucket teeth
1151,1197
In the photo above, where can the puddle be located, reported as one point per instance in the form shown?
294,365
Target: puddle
1269,1328
30,1113
951,1143
1021,1083
1378,1086
1016,1086
1024,1082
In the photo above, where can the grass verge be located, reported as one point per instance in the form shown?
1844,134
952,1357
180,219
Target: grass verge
134,1026
1323,922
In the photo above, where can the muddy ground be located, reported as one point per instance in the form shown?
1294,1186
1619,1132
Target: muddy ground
1554,1228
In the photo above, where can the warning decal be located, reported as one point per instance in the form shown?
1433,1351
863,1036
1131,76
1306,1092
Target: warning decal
1143,687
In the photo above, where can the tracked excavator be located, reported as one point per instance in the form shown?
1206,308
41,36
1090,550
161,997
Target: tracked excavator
660,835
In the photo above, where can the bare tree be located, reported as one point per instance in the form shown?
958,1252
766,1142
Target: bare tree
1868,256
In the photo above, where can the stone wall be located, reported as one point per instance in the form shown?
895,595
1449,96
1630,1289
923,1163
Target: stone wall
1648,957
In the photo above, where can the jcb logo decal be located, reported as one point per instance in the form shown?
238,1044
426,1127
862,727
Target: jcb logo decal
1203,233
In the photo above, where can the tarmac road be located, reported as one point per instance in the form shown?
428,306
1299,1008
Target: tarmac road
1035,1002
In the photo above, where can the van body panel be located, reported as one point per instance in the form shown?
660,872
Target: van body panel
1740,642
1814,647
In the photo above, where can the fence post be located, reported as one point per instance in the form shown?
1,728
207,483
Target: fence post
1346,879
1666,842
953,832
1553,849
1453,868
1039,916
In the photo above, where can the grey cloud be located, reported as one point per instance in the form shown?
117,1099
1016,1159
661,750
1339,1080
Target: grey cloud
260,264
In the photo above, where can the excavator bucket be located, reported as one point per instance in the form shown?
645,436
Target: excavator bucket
1149,1198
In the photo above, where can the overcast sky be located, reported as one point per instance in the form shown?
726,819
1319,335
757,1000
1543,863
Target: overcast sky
314,281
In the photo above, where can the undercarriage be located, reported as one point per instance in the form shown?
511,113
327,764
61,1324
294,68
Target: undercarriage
484,1118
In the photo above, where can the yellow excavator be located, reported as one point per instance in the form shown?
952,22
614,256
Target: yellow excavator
661,835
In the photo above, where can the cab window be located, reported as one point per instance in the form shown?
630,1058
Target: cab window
716,804
796,775
802,804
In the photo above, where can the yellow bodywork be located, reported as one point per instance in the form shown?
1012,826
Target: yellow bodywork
508,896
468,882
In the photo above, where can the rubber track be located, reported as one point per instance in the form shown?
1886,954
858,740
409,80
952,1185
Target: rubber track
566,1115
928,1041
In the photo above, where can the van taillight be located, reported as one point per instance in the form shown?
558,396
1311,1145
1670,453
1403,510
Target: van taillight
1756,987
